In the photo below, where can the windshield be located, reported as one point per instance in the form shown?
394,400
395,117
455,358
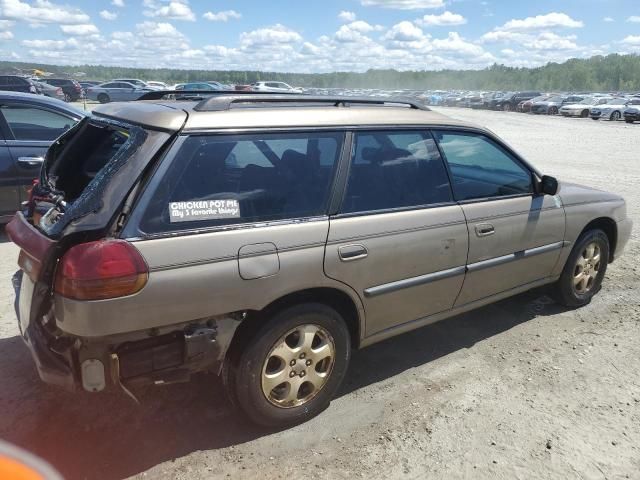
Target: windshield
555,99
586,101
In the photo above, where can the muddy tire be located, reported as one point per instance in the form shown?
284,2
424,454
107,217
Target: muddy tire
290,369
582,275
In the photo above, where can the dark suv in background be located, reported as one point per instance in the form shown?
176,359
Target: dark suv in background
71,89
15,83
509,103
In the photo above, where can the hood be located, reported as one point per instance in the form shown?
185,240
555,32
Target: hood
572,193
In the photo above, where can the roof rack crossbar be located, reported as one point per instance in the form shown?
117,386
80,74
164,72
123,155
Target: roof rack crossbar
226,102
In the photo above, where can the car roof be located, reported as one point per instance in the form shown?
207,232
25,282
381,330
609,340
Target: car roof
42,100
174,115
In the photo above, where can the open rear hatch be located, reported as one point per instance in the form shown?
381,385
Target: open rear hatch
90,175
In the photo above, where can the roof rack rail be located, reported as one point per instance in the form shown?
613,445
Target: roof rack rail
226,102
201,94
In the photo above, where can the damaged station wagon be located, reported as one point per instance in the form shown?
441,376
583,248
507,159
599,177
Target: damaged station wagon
263,238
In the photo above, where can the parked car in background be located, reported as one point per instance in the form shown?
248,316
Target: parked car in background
71,88
581,108
16,83
612,110
197,86
525,105
158,85
30,123
632,113
244,249
274,87
49,90
552,104
116,92
134,81
509,103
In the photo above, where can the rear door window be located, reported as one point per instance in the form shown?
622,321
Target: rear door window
33,123
395,169
228,179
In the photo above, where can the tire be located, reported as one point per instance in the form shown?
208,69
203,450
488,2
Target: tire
244,375
584,114
104,98
615,116
506,107
565,290
595,118
553,111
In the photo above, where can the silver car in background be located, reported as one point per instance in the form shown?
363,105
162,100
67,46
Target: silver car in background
613,109
581,108
116,92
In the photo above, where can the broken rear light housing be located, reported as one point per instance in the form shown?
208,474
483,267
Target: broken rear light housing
100,270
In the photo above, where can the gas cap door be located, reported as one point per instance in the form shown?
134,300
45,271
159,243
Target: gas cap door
258,260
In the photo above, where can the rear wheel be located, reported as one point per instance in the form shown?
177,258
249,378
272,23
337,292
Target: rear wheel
506,107
103,98
291,368
595,118
584,113
615,116
553,111
582,275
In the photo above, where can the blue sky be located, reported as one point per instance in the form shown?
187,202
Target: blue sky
316,36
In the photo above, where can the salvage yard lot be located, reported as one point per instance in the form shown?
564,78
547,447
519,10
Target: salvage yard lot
520,389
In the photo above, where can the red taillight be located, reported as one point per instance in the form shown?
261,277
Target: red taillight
101,269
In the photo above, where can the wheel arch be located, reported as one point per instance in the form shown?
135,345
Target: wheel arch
609,227
335,298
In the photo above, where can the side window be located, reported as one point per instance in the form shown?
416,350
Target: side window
395,169
32,123
480,168
229,179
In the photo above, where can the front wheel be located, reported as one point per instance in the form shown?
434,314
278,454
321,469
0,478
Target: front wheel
553,111
291,368
103,98
506,107
582,275
584,113
615,116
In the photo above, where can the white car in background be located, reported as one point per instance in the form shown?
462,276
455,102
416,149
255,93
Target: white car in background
158,85
275,87
582,108
612,110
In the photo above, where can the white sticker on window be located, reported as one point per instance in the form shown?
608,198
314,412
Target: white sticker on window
197,210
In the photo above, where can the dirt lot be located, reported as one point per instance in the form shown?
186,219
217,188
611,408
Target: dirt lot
520,389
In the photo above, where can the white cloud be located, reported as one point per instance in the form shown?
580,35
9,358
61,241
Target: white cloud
551,41
223,16
363,27
80,30
550,20
455,44
6,24
446,18
496,36
608,19
122,35
117,3
346,16
158,30
41,11
633,40
634,19
404,4
404,32
269,36
51,44
172,10
6,35
107,15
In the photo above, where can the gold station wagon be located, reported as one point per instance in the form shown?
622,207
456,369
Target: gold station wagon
263,237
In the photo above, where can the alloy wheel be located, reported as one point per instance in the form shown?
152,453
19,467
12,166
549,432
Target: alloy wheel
615,116
586,268
298,366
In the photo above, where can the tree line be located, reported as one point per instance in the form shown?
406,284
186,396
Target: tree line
613,72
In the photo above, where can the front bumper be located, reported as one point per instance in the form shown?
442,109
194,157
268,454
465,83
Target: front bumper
633,117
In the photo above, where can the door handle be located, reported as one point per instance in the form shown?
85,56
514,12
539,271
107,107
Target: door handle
348,253
484,229
30,161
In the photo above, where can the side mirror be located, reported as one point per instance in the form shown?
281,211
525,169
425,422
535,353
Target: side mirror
548,185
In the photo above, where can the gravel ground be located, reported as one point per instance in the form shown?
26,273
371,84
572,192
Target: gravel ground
520,389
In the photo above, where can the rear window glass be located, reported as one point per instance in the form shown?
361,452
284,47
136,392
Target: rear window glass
83,156
226,179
